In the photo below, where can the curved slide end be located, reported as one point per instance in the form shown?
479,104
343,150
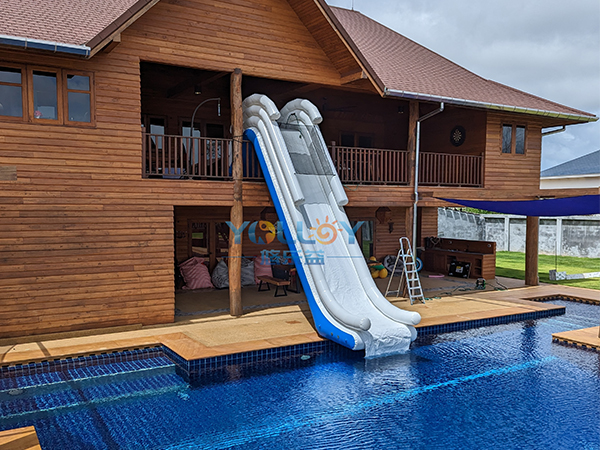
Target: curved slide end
303,105
265,102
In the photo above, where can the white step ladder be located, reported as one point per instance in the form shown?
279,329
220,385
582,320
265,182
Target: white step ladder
409,274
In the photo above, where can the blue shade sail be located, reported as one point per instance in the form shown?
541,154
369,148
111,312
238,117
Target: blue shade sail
554,207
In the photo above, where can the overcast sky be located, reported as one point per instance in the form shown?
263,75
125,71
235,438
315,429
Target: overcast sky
550,48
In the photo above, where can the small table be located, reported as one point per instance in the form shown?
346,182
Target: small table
274,281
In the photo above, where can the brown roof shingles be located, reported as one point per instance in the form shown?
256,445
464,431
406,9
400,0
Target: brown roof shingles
404,65
397,62
74,22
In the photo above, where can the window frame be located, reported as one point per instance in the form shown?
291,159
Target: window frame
356,137
24,89
30,102
513,138
62,105
65,92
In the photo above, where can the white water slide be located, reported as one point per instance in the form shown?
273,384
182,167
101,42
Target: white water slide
345,303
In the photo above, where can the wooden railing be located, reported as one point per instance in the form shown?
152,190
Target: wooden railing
443,169
370,165
180,157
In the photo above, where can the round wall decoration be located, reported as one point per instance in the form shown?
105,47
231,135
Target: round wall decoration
458,135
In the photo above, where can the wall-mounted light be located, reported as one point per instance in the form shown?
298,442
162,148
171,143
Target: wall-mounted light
197,89
400,109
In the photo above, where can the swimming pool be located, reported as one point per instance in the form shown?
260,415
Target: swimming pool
504,387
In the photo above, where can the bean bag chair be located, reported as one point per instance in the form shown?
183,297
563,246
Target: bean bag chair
220,276
195,274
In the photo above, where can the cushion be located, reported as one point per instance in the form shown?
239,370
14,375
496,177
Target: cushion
195,274
261,269
220,276
247,272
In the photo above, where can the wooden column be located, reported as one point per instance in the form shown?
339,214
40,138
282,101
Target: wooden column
531,251
237,210
411,144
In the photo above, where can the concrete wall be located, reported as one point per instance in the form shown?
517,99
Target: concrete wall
576,236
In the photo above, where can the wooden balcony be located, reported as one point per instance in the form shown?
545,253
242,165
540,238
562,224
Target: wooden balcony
443,169
182,157
356,165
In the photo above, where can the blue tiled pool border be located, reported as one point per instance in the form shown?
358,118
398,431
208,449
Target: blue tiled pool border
459,326
194,369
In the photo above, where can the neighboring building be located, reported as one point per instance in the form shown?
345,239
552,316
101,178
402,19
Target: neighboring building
582,172
101,186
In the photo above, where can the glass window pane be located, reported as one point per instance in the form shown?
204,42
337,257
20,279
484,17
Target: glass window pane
45,99
79,107
506,138
520,141
10,75
11,101
78,82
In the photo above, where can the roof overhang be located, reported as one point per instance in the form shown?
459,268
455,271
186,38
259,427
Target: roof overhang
484,105
97,43
38,44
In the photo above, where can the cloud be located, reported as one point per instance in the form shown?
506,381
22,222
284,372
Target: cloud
548,48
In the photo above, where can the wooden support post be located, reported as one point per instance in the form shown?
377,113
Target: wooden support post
212,245
411,144
237,210
531,251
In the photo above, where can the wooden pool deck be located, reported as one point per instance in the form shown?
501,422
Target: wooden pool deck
19,439
588,338
274,325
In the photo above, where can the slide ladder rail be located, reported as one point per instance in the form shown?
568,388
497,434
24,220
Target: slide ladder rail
409,276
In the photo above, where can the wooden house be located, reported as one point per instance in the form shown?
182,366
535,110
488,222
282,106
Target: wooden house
108,178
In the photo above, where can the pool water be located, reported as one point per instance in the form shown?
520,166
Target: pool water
501,387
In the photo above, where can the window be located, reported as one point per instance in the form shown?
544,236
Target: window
11,92
513,139
356,140
79,98
520,141
45,95
506,138
42,95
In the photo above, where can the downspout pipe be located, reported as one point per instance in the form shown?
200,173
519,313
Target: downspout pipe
416,193
38,44
558,130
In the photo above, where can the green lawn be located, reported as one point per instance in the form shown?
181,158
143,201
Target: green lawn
512,265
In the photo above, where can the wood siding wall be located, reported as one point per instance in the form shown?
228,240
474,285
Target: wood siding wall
504,171
435,132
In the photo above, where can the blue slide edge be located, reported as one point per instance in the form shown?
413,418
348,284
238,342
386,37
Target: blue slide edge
324,327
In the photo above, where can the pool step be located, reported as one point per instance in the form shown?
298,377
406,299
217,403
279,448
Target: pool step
80,387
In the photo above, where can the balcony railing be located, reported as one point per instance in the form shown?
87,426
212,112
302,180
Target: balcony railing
370,165
442,169
180,157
